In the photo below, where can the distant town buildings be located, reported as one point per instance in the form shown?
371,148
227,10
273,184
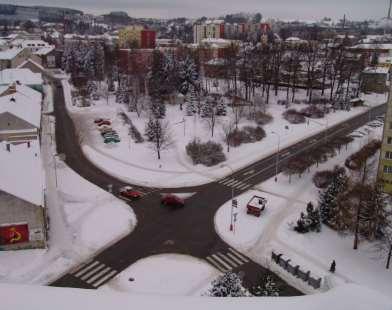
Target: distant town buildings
218,29
136,37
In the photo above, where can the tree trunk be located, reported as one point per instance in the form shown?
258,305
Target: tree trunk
389,257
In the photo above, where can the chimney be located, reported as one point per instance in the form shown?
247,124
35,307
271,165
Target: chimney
389,11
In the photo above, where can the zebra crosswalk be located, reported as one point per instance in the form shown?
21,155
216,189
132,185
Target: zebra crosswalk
94,273
235,183
227,261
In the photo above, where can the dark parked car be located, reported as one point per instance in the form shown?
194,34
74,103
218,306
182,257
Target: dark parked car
172,200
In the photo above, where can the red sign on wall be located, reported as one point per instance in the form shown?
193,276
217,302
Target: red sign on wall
12,234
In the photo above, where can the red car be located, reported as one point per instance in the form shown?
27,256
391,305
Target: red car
172,200
98,120
105,122
127,192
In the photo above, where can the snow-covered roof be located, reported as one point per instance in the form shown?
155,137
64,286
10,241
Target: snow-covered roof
45,50
29,60
10,53
24,103
21,172
376,70
24,76
294,39
373,46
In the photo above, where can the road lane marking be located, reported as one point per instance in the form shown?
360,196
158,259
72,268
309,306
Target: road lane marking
235,258
228,260
81,266
239,255
105,278
84,270
222,262
92,272
98,275
215,264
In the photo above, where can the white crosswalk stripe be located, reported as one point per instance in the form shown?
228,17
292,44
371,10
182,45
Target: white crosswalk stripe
94,273
235,183
228,261
105,279
239,255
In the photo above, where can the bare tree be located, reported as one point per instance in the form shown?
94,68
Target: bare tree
228,129
161,137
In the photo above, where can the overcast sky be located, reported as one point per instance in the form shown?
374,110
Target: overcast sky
285,9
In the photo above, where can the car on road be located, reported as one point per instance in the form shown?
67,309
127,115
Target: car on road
110,134
99,120
172,200
105,122
111,140
127,192
105,128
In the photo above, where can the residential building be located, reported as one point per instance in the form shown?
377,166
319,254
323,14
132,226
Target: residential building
46,57
21,76
136,37
374,79
11,58
22,204
210,29
385,164
20,114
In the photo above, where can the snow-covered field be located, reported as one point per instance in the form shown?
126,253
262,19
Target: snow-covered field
166,274
257,237
137,163
37,298
83,220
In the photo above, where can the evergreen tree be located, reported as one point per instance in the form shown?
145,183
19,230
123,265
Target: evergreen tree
158,108
149,131
310,221
267,288
191,101
92,90
207,107
227,285
188,75
221,107
328,199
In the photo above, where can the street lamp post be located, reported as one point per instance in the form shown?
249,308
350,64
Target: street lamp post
55,167
277,157
321,124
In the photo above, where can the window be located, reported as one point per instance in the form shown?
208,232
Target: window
387,169
388,155
389,140
390,125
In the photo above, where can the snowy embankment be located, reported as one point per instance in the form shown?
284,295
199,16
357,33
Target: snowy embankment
45,298
136,163
258,237
182,276
83,220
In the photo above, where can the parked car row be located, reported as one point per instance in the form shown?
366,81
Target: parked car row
108,134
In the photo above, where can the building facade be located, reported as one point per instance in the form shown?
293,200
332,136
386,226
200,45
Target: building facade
385,165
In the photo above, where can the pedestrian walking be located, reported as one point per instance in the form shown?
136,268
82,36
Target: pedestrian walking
333,267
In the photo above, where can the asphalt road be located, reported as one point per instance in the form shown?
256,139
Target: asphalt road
189,230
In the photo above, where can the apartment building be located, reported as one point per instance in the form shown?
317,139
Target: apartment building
385,165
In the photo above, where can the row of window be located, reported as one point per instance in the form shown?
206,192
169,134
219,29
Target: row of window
388,169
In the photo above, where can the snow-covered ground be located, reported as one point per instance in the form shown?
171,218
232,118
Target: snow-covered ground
137,164
44,298
258,237
83,220
166,274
